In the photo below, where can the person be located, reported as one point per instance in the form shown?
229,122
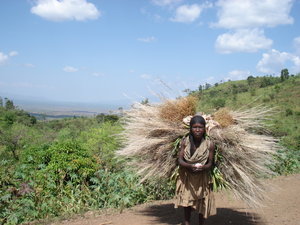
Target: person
194,186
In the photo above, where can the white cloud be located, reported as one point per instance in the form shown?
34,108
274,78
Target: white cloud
237,75
234,14
70,69
273,61
147,39
165,2
60,10
146,76
243,40
297,45
4,57
155,17
187,13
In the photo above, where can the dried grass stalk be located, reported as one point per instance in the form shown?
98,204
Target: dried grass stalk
151,136
223,117
176,110
244,154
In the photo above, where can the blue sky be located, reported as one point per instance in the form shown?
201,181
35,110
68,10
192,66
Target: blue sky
97,51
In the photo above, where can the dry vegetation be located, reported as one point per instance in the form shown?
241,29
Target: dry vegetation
244,155
176,110
153,132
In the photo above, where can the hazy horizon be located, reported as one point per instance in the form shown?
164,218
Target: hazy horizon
43,105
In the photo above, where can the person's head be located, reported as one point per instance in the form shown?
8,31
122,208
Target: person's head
197,127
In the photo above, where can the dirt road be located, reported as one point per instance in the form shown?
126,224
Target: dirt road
282,208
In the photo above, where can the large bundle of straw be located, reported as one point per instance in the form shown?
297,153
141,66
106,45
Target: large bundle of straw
242,154
153,132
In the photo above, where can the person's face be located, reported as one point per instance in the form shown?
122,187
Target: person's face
198,130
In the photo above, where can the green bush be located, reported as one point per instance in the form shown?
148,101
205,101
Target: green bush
286,162
219,103
288,112
67,161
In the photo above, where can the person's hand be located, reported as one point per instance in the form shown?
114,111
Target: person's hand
197,167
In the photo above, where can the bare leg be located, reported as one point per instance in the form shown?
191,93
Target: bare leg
201,219
187,215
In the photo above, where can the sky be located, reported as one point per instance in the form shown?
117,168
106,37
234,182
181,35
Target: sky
110,51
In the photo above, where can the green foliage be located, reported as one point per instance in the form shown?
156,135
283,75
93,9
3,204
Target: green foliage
288,112
13,138
250,80
103,141
252,91
219,103
68,161
217,177
284,74
101,118
116,189
10,115
9,105
65,166
277,92
145,101
287,161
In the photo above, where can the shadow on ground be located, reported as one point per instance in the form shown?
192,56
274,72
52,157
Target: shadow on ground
167,214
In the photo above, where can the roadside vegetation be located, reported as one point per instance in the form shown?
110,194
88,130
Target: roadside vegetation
280,93
61,167
51,168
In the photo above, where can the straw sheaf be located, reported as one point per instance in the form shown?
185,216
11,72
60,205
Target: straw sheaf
176,110
245,155
151,139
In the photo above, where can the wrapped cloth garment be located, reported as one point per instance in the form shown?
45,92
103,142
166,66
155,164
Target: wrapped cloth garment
195,189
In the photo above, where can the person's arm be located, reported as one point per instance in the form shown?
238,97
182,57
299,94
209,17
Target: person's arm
210,161
181,160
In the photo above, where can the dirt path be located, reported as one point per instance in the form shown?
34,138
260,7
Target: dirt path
282,208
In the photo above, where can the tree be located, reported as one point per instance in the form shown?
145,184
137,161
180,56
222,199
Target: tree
284,74
266,81
200,88
219,103
252,91
12,138
9,104
250,80
1,102
207,85
145,101
234,89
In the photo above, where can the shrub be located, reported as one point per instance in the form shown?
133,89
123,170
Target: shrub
68,161
219,103
288,112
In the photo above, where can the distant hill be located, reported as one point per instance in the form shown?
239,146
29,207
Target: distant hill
61,108
283,94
